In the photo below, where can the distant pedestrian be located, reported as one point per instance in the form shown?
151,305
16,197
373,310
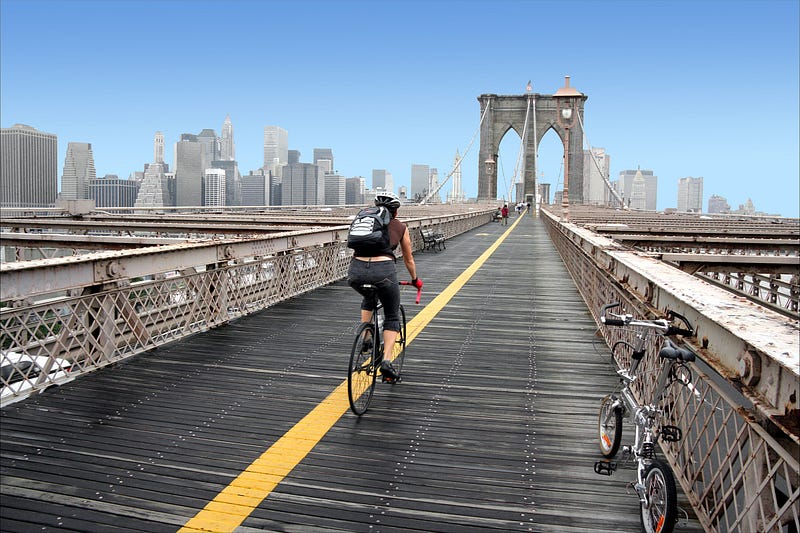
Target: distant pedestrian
504,214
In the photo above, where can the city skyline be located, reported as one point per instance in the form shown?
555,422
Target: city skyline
388,92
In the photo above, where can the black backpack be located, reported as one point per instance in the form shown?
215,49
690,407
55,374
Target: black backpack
369,231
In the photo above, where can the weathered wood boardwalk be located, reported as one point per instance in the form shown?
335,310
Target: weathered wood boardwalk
493,427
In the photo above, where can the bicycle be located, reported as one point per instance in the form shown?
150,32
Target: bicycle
367,355
655,482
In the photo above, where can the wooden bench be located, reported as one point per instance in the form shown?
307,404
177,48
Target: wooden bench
432,240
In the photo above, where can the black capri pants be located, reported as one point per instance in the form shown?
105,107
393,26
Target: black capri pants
382,275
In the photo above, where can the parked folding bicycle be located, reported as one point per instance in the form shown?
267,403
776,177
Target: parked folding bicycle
655,482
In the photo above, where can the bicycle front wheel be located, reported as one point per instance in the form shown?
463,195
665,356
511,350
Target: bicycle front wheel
610,427
362,369
660,511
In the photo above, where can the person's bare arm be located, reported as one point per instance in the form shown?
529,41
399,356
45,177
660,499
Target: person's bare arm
408,255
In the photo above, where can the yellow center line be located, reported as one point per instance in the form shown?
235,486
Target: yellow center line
236,501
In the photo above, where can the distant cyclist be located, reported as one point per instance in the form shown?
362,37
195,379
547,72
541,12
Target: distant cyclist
378,268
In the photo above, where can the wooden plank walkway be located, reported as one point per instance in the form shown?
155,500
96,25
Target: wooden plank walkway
493,427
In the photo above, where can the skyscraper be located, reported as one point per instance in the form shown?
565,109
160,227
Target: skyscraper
211,146
190,163
78,170
354,191
690,195
624,186
276,148
596,167
302,184
433,185
255,188
233,181
154,190
28,167
638,198
420,175
456,195
323,158
214,190
718,204
334,189
110,191
379,179
227,147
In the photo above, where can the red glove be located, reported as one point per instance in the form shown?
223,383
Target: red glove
417,283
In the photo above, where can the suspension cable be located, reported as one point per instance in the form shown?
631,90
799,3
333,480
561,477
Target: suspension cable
606,179
457,163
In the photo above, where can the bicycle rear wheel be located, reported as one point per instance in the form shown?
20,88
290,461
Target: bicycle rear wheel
610,427
362,370
400,345
658,516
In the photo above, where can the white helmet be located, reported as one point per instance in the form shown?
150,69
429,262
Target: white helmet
387,199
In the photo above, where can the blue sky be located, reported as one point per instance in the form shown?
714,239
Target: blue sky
683,88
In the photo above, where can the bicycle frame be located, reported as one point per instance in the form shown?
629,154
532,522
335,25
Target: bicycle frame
655,484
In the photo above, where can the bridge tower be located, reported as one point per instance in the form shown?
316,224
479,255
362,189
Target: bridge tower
562,112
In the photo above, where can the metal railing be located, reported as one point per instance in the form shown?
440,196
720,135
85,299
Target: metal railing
736,462
67,316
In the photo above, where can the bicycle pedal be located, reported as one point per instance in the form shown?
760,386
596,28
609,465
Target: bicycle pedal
604,468
671,433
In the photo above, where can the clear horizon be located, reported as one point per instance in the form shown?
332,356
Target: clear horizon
683,88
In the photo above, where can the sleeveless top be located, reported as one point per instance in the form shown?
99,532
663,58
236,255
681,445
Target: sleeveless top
396,231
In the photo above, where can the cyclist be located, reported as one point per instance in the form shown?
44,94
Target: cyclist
378,268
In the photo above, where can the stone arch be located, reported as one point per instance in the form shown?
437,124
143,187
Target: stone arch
543,112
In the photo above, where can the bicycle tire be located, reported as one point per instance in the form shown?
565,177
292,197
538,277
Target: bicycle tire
401,342
609,425
362,370
660,513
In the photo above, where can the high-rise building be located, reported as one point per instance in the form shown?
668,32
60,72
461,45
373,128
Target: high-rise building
211,146
227,148
293,157
354,190
379,179
190,164
323,158
276,149
638,198
690,195
156,189
624,186
255,188
110,191
78,171
456,195
233,181
420,176
302,184
158,148
718,204
214,189
28,167
596,168
433,185
335,193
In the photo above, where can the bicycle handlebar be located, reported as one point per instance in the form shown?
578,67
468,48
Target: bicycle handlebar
419,291
663,325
